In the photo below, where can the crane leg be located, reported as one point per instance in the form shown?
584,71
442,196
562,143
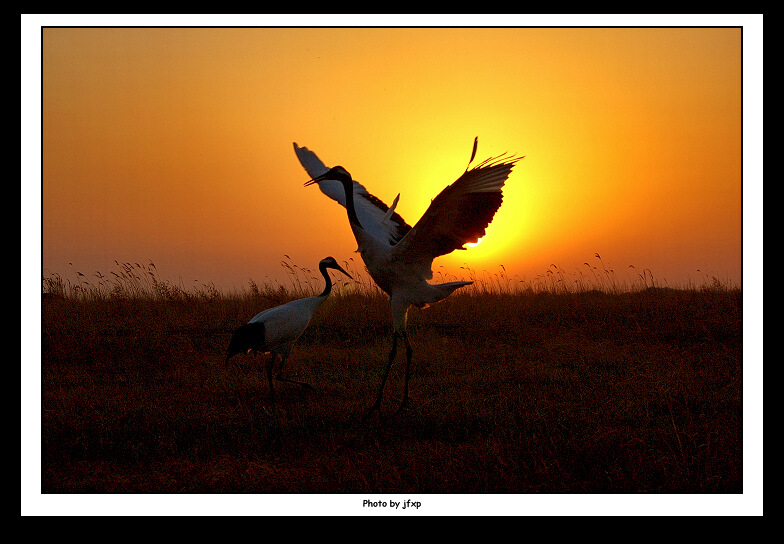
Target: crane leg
280,377
409,352
377,405
270,364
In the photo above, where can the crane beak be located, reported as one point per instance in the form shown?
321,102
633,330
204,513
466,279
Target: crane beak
336,266
317,179
346,273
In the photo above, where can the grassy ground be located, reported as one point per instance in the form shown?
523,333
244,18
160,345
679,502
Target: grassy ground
582,391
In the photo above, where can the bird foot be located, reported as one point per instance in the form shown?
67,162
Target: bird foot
301,384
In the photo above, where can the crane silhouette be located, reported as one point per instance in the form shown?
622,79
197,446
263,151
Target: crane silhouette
277,329
402,267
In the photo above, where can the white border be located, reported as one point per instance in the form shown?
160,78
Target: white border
34,503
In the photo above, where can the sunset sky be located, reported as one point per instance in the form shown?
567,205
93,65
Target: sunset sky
173,146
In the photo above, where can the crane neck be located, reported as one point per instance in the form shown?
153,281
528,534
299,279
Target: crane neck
350,209
328,287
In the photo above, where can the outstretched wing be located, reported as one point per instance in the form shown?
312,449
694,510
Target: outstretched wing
458,215
374,215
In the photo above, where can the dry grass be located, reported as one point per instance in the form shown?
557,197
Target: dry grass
598,387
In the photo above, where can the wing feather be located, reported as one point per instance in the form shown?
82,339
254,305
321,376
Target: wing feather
458,215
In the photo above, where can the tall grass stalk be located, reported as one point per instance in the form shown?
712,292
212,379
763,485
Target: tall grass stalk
135,280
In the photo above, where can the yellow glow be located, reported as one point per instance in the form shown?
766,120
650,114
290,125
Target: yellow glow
175,145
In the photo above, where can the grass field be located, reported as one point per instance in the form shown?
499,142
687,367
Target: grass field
578,385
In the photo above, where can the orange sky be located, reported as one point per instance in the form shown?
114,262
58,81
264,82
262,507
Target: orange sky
174,146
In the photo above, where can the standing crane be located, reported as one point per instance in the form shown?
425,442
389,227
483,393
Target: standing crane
458,215
277,329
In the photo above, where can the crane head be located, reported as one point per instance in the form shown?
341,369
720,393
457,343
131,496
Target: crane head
330,262
337,173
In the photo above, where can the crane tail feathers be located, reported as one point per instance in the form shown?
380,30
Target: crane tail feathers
248,337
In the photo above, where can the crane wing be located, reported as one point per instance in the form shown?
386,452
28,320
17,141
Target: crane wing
374,215
458,215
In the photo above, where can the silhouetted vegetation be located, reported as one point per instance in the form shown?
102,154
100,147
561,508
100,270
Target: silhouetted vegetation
550,387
